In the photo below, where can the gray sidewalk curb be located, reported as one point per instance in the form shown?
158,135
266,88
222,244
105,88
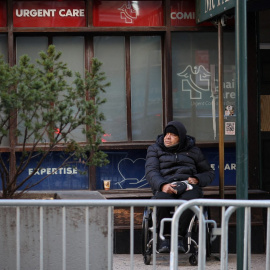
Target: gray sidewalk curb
122,262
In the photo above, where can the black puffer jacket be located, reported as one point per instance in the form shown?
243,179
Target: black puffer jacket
166,165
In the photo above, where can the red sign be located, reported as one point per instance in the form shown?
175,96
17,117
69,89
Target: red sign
183,13
3,14
49,14
127,13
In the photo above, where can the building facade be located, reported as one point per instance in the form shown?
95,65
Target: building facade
162,66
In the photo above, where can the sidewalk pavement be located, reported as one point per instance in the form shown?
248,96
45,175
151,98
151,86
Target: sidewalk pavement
122,262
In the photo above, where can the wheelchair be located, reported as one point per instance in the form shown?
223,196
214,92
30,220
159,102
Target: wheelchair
190,239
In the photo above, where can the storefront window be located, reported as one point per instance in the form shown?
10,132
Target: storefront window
3,47
146,79
30,46
111,52
195,84
72,49
145,83
67,46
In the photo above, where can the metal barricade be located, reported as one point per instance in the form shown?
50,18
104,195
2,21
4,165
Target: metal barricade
63,205
228,207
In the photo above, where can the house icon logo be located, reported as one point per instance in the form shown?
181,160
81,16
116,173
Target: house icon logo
195,81
128,13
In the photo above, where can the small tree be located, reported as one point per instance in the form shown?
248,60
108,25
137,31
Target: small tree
40,110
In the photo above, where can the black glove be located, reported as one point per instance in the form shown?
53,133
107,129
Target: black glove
181,187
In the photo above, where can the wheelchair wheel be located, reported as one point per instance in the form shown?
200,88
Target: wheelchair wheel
147,259
193,260
146,237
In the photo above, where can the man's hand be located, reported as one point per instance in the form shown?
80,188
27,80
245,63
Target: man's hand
193,181
169,188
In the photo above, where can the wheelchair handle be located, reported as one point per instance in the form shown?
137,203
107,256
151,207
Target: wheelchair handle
162,237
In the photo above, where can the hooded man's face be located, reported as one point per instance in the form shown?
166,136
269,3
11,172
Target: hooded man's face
171,139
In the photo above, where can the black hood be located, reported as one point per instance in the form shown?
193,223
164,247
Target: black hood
186,141
182,132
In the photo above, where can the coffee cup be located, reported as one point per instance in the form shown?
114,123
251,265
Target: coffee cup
107,184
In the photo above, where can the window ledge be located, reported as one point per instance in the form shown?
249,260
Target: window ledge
146,193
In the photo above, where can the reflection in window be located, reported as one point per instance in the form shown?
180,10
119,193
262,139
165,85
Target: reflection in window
111,52
75,62
145,83
146,97
30,46
3,47
195,84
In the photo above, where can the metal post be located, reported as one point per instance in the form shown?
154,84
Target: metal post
221,109
154,216
64,240
87,238
110,236
41,238
18,238
131,237
241,121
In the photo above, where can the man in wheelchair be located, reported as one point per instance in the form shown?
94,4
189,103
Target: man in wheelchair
176,169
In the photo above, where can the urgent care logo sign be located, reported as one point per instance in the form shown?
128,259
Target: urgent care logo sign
49,14
183,13
127,13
